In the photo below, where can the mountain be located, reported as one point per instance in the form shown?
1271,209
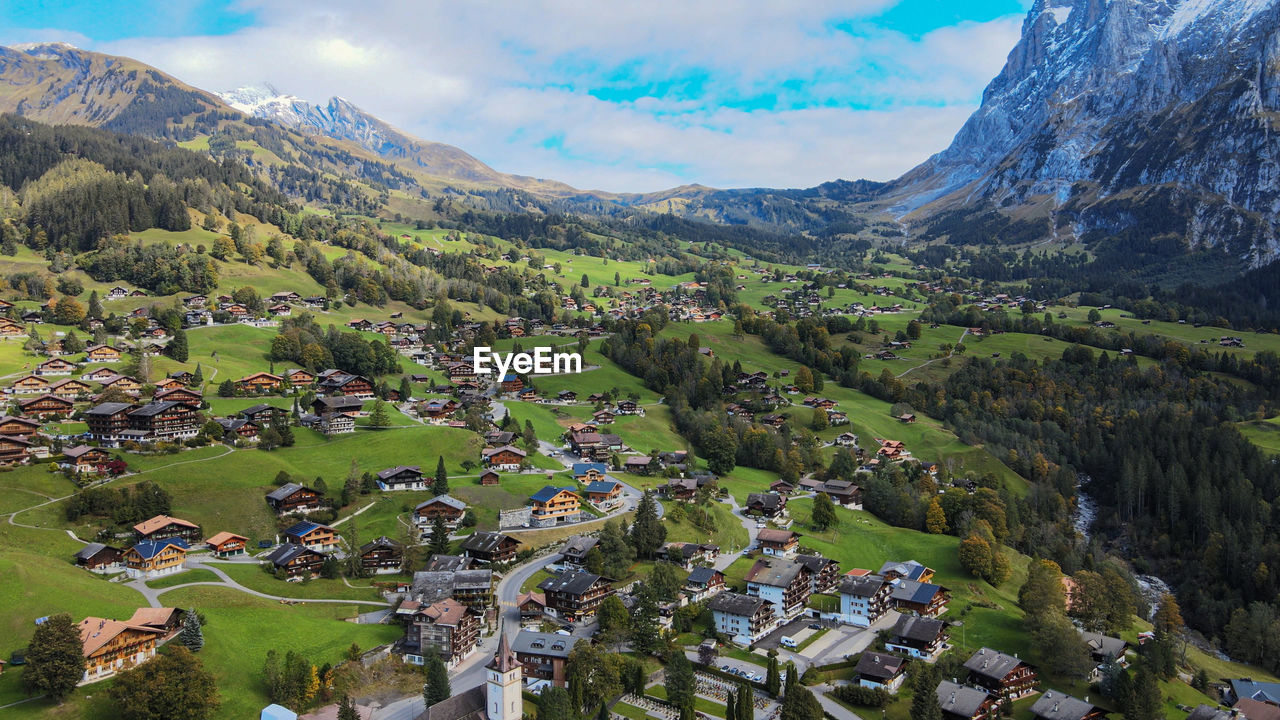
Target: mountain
343,120
1141,119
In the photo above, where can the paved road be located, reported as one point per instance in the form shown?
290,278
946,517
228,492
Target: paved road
728,555
153,594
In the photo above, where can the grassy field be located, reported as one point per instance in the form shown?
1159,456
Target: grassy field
1263,433
728,534
184,577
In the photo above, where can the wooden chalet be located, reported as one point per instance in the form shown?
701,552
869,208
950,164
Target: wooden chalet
299,377
1002,675
20,427
154,558
110,646
445,506
449,627
179,394
575,595
164,526
964,702
768,505
881,670
259,382
107,421
86,458
1054,705
46,406
918,637
507,458
489,477
14,450
165,420
102,354
320,538
381,556
401,477
604,494
226,544
490,547
99,557
56,366
295,561
778,543
553,506
70,388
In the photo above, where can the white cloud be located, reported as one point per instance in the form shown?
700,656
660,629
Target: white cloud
509,82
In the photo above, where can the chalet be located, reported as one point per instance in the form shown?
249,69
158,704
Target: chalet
447,627
299,377
263,415
784,583
602,417
630,407
56,366
295,561
108,420
99,558
640,464
239,429
195,302
962,702
226,544
512,383
824,572
881,670
586,444
163,526
19,427
294,498
907,418
110,646
102,354
532,606
1004,676
604,494
320,538
381,556
507,458
846,440
86,458
864,599
123,383
892,449
567,396
285,296
682,489
769,505
778,543
574,552
473,588
1104,649
14,450
165,420
703,582
46,406
336,424
589,472
401,477
742,619
842,492
490,547
461,371
9,328
69,388
259,382
489,477
907,570
544,655
575,595
688,554
345,385
447,507
835,417
447,563
99,375
1054,705
154,558
918,637
553,506
326,406
925,599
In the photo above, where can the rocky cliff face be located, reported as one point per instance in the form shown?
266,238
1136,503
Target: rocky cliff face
1110,111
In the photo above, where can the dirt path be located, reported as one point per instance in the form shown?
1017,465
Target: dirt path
930,362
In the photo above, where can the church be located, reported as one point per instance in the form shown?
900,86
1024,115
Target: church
499,698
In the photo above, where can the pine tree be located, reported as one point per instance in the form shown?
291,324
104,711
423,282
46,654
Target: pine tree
437,686
731,706
439,537
800,704
924,702
746,703
772,681
227,389
95,306
793,678
681,684
55,658
440,486
647,532
935,520
347,709
192,636
406,389
197,378
177,348
379,417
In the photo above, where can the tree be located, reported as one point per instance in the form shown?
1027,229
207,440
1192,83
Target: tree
772,680
647,532
800,704
55,658
924,700
1146,702
593,675
935,520
439,544
68,311
586,282
177,347
1057,645
616,553
437,686
731,706
665,580
804,379
406,389
1168,617
227,389
824,512
197,378
680,682
554,704
1043,591
818,422
347,709
441,484
95,306
646,635
170,685
529,436
192,636
614,619
379,417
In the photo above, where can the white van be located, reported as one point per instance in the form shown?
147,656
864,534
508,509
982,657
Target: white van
788,641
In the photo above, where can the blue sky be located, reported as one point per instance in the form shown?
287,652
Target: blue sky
625,97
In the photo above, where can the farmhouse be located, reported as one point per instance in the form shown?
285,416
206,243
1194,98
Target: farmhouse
163,526
14,450
490,547
292,498
110,646
778,543
401,477
226,544
295,561
507,458
381,556
85,458
445,506
1003,675
46,406
154,558
102,354
918,637
98,557
259,382
881,670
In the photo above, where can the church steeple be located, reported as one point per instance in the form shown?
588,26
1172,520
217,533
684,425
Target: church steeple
504,674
